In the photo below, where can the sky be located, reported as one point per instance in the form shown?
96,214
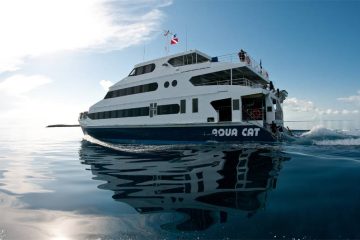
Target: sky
58,57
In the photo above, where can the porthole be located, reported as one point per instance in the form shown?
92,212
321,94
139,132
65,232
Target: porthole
166,84
174,83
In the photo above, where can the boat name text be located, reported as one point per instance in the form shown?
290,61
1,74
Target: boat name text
246,132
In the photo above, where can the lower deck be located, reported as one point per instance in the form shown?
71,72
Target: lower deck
220,107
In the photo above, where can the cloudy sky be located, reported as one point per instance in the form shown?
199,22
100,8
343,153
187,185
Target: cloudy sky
58,57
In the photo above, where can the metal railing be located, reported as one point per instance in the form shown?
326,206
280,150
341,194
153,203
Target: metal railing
248,60
253,114
238,81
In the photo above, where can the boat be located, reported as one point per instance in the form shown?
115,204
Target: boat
190,97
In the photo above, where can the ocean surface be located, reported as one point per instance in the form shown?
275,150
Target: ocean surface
54,184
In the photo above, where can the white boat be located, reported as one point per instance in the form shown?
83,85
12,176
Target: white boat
189,97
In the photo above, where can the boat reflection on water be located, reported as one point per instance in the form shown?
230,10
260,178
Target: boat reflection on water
204,183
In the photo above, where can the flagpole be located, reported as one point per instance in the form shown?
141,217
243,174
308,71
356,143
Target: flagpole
166,47
174,40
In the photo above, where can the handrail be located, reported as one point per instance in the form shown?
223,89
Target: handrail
248,60
254,114
237,81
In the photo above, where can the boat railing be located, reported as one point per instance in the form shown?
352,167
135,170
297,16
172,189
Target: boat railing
248,60
253,114
236,81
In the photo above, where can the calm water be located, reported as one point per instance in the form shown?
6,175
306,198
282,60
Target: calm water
55,185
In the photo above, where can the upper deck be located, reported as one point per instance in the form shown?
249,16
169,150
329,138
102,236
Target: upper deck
245,58
193,60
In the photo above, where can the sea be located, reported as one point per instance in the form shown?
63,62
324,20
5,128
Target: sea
57,184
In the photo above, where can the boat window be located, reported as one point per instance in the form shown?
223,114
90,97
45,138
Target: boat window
183,106
211,119
174,83
166,84
168,109
214,78
191,58
132,73
195,105
132,90
131,112
274,104
236,104
142,69
236,76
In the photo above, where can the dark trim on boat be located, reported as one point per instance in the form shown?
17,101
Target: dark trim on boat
181,133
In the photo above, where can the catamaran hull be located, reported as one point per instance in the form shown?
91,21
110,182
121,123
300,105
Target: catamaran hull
183,133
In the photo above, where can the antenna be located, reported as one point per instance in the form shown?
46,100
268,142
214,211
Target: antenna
144,52
186,39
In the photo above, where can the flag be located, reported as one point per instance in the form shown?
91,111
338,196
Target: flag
166,32
174,40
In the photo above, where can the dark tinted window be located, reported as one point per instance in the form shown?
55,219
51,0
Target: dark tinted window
166,84
142,70
152,87
214,78
174,83
168,109
131,112
132,90
191,58
236,104
182,106
195,105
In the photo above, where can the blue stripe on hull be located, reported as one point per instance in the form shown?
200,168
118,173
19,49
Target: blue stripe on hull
185,134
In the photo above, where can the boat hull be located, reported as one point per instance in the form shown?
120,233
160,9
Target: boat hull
180,133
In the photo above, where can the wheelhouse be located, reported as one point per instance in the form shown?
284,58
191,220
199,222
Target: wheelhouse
187,59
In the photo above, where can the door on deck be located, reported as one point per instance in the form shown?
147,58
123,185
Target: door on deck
223,107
